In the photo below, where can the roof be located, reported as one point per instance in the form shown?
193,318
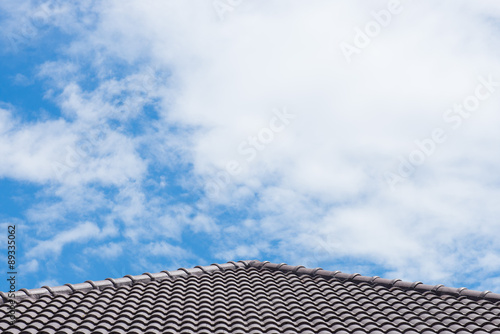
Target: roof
252,297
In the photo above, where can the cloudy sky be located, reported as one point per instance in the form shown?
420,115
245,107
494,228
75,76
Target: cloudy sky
360,136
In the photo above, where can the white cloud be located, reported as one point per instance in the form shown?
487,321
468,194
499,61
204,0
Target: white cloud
353,121
28,150
164,249
30,267
76,268
108,251
81,233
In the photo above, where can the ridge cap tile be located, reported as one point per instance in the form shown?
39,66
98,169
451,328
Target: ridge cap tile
375,280
127,280
299,270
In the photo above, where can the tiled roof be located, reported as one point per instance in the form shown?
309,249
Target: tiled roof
252,297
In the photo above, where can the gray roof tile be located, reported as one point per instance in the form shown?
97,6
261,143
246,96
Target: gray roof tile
252,297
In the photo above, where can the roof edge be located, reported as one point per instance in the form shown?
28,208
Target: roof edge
129,280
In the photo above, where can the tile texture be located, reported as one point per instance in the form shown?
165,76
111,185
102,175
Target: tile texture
252,297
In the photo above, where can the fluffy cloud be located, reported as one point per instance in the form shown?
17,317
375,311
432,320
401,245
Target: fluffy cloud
30,267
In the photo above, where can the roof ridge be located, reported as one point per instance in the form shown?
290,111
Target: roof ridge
129,280
418,286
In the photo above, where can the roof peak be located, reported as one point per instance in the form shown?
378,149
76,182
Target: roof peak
129,280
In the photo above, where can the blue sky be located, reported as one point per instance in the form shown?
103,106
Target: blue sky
141,136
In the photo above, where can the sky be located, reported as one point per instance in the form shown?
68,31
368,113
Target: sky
141,136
